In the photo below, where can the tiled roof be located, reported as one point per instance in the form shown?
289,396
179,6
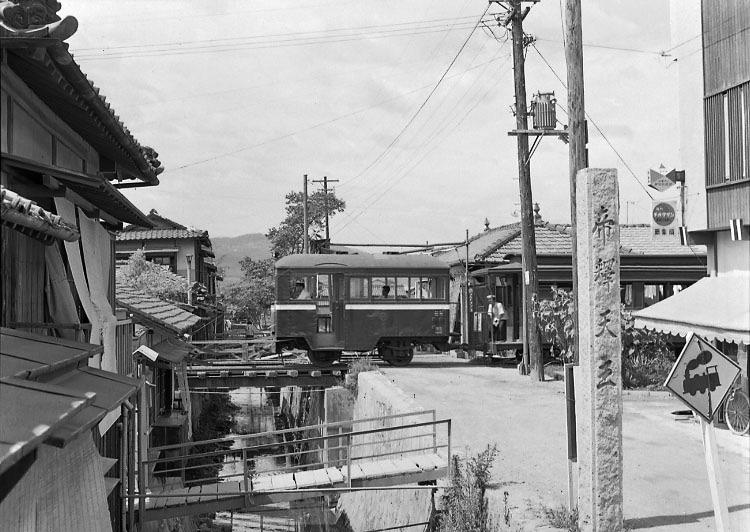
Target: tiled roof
155,234
554,239
155,310
481,246
57,79
163,228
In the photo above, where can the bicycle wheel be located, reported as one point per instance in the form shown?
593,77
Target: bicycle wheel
737,412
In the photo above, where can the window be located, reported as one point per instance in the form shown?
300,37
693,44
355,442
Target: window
652,293
297,287
359,288
402,288
164,260
383,287
477,322
727,140
626,295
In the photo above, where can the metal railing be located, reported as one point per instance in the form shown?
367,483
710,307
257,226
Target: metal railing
297,449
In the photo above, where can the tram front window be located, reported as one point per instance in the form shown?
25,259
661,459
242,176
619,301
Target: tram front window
301,287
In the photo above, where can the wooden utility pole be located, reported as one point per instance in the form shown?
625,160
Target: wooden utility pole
325,182
306,238
577,153
530,279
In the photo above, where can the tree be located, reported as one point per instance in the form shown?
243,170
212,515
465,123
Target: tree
251,297
288,236
154,279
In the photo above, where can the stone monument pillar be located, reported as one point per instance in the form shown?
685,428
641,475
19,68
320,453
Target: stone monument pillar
599,378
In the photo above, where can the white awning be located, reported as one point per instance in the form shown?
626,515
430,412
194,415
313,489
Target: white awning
716,308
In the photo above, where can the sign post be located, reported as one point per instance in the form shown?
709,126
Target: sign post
701,378
599,388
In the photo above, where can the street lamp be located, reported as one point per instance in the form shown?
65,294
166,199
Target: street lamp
190,266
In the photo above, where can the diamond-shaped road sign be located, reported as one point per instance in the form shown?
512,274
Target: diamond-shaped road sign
702,376
661,179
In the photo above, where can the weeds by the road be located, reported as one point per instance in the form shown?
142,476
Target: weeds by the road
465,505
563,518
357,366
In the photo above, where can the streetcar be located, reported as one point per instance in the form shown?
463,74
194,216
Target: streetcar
326,304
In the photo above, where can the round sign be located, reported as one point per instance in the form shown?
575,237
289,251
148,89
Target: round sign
664,214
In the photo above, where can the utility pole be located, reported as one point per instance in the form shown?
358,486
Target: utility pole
532,344
306,238
325,182
577,137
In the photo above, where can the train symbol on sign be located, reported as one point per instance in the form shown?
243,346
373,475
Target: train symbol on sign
700,382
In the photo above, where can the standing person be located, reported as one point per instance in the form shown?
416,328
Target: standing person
496,312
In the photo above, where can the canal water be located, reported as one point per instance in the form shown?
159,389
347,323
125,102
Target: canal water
261,410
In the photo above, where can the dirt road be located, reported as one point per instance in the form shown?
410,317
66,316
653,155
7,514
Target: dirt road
665,481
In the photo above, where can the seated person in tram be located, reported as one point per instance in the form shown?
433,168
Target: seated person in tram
386,291
300,292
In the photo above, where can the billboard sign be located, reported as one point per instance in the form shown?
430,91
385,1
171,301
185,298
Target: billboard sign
664,221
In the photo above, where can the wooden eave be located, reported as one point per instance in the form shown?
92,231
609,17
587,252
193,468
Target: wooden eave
58,81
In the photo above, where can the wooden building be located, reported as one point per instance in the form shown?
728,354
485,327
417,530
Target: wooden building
719,306
649,271
161,354
64,155
187,252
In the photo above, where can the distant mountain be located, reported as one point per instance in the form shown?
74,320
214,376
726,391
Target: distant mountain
230,251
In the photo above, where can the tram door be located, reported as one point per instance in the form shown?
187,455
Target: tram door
328,310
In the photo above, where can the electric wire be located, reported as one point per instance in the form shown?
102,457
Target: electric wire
434,113
304,130
415,163
312,32
284,43
596,126
424,103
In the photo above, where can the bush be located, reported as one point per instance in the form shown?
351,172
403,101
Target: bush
556,322
465,506
647,356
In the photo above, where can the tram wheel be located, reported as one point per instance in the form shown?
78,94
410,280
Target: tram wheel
398,358
323,358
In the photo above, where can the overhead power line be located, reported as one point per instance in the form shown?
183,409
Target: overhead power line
596,126
314,126
424,103
263,43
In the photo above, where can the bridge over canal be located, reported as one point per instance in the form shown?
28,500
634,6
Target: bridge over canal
390,452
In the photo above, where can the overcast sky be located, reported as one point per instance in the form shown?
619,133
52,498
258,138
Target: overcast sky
242,98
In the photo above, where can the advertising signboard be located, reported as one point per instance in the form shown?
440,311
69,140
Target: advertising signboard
664,221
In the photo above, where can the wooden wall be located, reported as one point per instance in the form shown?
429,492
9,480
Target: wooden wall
23,271
726,44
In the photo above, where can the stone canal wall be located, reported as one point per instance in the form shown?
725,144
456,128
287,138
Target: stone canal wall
382,509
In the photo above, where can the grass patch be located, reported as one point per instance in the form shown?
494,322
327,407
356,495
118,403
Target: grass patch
563,518
465,505
357,366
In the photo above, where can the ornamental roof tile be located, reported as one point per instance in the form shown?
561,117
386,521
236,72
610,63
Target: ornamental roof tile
50,70
29,218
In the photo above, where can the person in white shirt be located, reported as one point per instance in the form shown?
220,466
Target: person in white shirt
496,312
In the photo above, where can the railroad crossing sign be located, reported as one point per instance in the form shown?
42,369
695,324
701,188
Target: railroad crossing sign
702,376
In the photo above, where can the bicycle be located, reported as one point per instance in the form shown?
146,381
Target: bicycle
737,411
